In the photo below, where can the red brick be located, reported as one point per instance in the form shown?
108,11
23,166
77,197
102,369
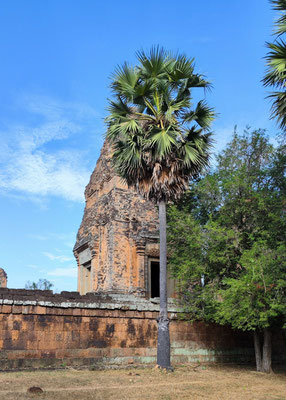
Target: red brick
6,309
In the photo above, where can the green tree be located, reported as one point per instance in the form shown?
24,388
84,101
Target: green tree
256,299
159,141
276,62
42,284
237,210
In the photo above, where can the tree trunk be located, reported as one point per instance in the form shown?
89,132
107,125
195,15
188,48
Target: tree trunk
163,347
257,348
267,352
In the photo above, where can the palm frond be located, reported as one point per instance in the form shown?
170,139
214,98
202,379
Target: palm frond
280,5
162,141
281,25
203,115
175,107
276,61
124,81
181,68
152,64
118,108
198,81
279,108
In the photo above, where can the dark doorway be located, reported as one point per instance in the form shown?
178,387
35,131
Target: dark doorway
155,278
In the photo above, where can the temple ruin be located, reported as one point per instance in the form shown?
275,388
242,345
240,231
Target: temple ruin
3,278
117,247
113,320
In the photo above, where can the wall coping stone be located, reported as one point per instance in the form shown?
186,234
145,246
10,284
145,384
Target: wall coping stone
75,300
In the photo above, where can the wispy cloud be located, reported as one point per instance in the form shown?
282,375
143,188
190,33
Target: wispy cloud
60,258
222,136
64,272
67,239
38,237
36,158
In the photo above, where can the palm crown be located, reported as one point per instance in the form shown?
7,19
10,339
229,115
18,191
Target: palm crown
276,63
159,138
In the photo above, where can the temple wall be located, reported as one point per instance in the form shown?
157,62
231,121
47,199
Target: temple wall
38,329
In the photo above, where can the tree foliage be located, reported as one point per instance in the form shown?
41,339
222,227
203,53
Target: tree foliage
238,203
257,298
227,238
42,284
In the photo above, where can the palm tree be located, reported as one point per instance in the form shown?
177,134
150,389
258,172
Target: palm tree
276,63
159,141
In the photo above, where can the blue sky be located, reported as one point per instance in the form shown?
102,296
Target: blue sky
56,61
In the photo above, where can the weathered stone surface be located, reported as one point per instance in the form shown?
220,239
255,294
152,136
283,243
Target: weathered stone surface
117,228
36,301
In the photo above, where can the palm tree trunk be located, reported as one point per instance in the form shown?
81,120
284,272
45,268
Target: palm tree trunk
163,347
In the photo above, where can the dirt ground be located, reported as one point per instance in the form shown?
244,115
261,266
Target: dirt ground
186,382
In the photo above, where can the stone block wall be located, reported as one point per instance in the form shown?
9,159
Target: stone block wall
38,329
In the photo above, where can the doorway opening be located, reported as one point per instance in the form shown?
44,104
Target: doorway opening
154,279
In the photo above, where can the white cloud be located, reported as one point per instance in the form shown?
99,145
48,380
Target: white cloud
50,107
67,239
37,237
32,162
47,174
222,136
60,258
64,272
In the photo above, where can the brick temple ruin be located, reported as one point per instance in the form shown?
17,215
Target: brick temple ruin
112,319
117,247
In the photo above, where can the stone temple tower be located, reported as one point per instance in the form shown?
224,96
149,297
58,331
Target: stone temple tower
117,247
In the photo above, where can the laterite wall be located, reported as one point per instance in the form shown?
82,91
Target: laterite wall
38,329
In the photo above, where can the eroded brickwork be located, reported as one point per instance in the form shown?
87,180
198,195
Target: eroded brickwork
117,229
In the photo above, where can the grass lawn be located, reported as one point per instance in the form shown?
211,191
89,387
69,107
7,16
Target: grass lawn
186,382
